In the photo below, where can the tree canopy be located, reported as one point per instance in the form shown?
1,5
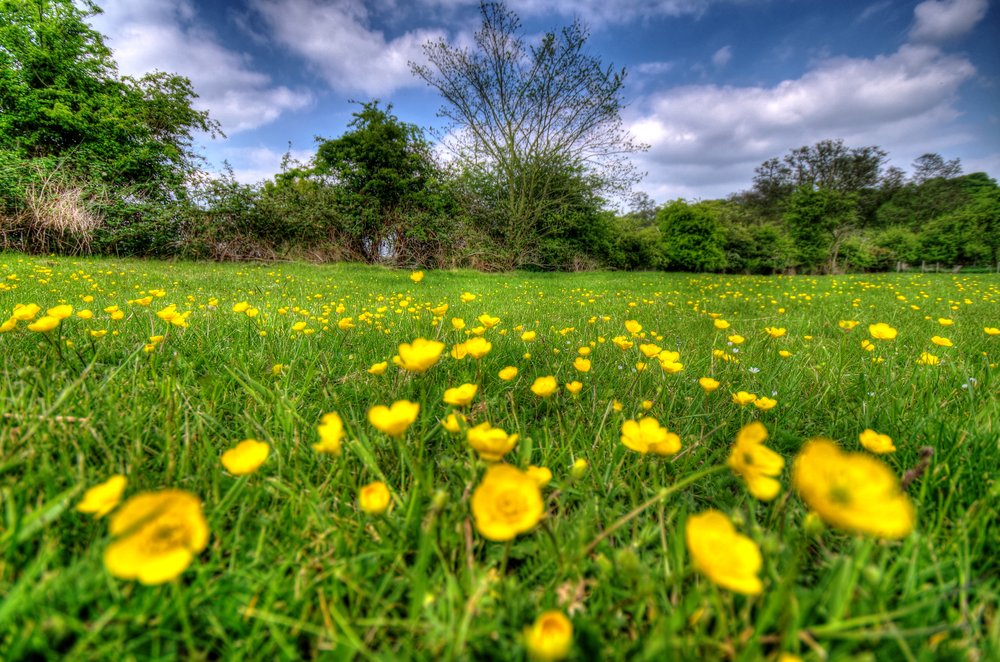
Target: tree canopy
61,97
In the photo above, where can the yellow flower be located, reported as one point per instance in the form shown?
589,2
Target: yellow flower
420,355
944,321
506,503
508,373
875,442
168,313
378,368
991,330
491,443
708,384
10,325
736,339
755,462
241,307
650,350
417,276
764,403
157,534
478,347
623,343
345,323
246,457
549,638
640,366
669,362
396,419
23,312
467,297
374,497
543,387
720,324
784,353
852,491
579,468
331,434
582,364
459,351
867,345
541,475
457,323
453,422
847,325
647,436
574,387
85,314
727,558
646,405
633,327
529,336
487,321
461,395
60,312
99,333
882,331
44,324
616,405
742,398
941,342
102,499
775,331
926,358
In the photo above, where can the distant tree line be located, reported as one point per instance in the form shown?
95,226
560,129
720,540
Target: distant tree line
95,162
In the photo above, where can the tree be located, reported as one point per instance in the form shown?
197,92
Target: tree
828,164
61,98
522,116
931,166
820,220
389,182
692,237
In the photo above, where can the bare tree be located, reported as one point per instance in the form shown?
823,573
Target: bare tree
531,125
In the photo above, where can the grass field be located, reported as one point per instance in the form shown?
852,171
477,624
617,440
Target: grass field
293,567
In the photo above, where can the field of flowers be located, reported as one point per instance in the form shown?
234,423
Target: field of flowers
293,461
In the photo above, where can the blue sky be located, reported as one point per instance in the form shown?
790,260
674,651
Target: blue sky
715,87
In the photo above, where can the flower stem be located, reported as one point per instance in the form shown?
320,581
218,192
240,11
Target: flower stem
652,501
185,619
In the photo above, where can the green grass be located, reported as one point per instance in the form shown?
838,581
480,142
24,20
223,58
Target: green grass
294,569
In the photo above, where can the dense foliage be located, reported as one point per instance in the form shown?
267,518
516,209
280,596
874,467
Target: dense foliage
80,143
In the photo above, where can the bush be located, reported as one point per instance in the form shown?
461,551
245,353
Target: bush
692,237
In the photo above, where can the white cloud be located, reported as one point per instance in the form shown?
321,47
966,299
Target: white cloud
167,36
709,138
653,68
722,56
335,39
597,13
941,20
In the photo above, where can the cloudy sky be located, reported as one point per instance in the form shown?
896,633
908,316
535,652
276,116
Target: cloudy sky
715,87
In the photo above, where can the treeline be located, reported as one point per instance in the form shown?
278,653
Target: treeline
95,162
828,208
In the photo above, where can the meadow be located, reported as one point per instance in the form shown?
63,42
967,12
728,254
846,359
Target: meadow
668,494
